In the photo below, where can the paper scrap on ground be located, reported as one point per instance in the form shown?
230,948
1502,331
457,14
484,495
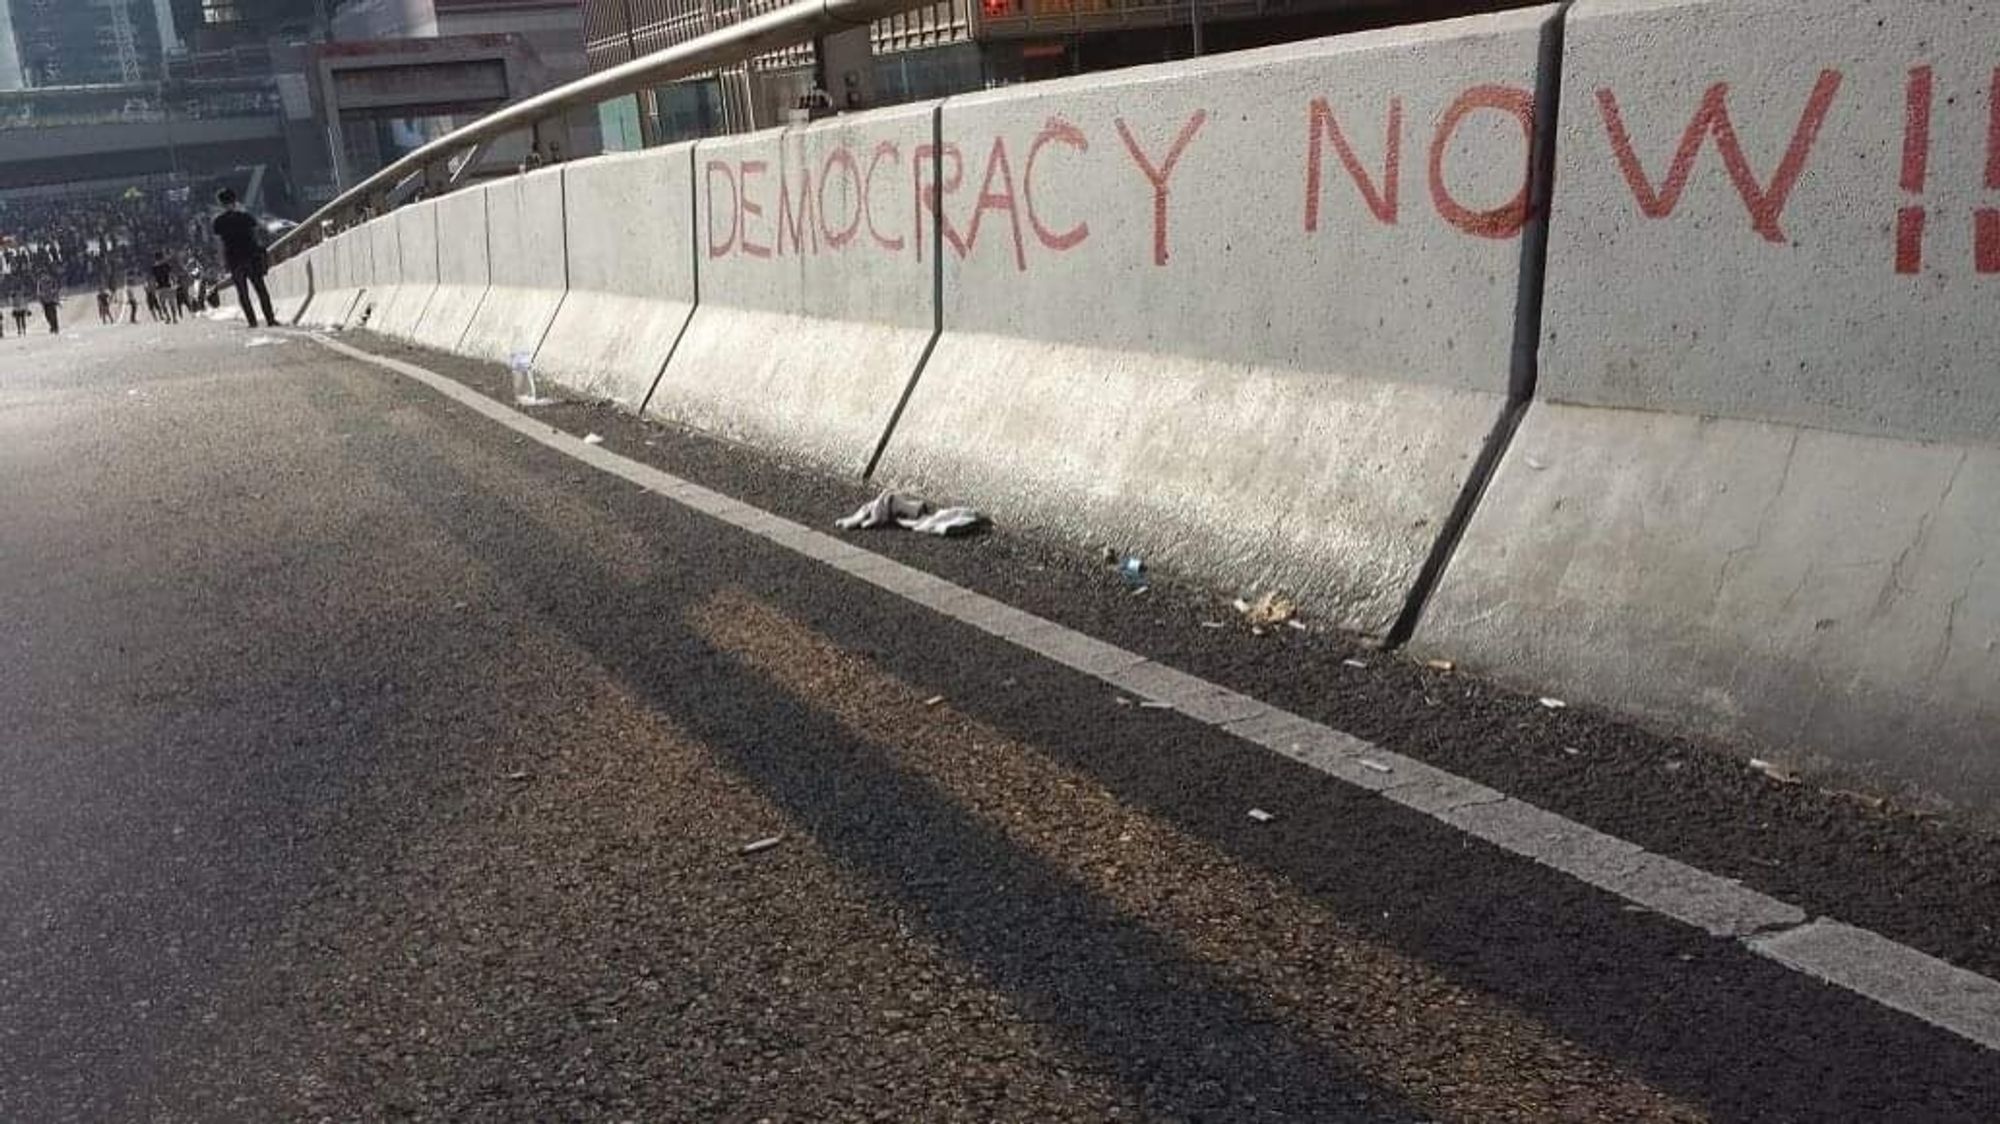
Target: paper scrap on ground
911,514
1268,609
264,341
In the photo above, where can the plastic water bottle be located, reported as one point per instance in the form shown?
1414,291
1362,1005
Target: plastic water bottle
523,365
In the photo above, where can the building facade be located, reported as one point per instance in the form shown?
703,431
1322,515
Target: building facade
952,46
46,43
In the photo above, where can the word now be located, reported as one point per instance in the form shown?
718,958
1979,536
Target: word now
741,218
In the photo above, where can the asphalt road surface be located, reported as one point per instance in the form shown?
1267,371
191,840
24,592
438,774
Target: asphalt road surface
361,759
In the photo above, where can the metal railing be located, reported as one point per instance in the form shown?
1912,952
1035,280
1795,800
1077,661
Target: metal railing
794,22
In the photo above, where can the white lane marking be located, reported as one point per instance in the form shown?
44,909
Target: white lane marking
1866,963
1893,975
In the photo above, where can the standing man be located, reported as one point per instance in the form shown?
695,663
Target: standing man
163,287
243,255
49,291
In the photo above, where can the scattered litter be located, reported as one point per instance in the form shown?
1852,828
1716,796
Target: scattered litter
1133,570
1215,624
1261,816
909,513
1376,765
934,700
1154,704
887,508
521,364
593,439
1268,609
1361,664
1775,771
460,606
1296,625
1121,700
946,523
1142,589
1107,556
520,775
1440,665
762,845
1674,766
1572,751
1536,465
1554,704
263,341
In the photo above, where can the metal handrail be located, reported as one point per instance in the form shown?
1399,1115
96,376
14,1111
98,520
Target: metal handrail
796,22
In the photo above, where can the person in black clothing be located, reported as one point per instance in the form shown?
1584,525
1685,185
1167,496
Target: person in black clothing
243,255
163,287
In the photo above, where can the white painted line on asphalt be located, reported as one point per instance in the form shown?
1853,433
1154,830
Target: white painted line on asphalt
1891,974
1865,963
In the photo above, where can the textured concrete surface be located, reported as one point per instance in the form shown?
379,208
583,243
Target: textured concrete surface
342,263
631,252
1826,593
414,230
1235,315
384,269
1755,498
1789,301
817,286
524,223
462,270
365,763
290,289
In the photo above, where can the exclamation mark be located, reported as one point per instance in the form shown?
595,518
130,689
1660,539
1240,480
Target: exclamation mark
1986,222
1916,169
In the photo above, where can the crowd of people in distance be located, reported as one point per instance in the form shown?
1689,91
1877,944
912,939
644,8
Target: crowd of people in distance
151,248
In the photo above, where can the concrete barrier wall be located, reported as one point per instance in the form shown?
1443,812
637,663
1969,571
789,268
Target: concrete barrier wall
1259,316
383,257
294,287
414,230
817,286
1756,491
278,282
338,289
357,264
524,218
630,245
462,270
1251,316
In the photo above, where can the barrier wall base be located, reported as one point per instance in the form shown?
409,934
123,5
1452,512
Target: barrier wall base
1823,593
330,308
510,320
819,389
290,308
611,346
401,310
450,314
1328,488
